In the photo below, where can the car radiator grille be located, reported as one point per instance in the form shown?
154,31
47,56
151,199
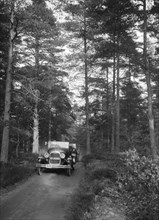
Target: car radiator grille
55,155
55,158
54,161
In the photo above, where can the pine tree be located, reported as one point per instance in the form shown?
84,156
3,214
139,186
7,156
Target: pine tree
5,138
79,25
39,30
112,20
3,53
132,110
145,60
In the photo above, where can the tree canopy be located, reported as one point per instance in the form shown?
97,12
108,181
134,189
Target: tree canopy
79,68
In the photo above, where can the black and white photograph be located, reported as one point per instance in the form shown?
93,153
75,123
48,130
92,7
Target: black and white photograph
79,109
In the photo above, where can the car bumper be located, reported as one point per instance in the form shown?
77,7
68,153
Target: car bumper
52,166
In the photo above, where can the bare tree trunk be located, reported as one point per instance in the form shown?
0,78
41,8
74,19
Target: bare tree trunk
49,138
113,110
149,89
18,142
107,106
50,105
157,117
86,88
5,137
17,147
157,131
36,126
118,109
36,116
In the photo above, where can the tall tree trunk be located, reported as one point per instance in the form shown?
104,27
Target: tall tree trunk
113,109
50,116
49,133
88,148
5,137
118,108
107,106
157,118
36,125
18,142
36,116
149,89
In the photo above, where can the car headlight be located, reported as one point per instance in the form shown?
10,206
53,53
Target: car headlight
39,159
69,159
62,155
46,155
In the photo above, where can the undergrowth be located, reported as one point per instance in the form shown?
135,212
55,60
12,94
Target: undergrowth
99,180
139,186
128,179
17,169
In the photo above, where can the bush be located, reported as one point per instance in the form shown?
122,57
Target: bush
11,174
99,180
103,172
140,185
23,158
89,158
95,180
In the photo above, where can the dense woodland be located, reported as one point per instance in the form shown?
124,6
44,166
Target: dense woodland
85,71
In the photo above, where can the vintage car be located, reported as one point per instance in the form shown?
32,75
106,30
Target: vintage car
57,157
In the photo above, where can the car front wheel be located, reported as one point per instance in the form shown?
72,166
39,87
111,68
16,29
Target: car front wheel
69,172
39,170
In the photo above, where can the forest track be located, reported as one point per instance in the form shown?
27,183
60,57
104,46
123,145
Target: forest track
45,197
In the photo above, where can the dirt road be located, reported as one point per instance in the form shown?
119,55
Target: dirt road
44,197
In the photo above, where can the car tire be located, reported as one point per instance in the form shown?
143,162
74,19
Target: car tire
72,167
39,170
69,172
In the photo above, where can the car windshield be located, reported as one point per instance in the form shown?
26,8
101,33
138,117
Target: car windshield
57,149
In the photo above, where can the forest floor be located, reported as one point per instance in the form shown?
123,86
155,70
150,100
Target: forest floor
106,209
108,203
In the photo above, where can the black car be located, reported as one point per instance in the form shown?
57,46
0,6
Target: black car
56,158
